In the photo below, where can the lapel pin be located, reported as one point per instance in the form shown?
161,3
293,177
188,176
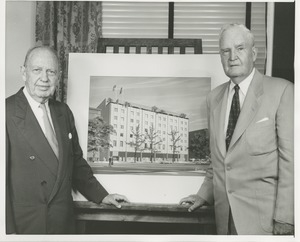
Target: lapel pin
70,136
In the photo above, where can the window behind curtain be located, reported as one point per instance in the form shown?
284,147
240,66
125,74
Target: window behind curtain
258,28
191,20
135,19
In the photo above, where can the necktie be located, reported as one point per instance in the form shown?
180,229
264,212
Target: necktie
49,132
233,115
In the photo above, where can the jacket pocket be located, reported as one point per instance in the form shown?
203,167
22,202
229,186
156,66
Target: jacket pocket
261,138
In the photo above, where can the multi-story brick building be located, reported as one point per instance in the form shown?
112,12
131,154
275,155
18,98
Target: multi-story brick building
126,117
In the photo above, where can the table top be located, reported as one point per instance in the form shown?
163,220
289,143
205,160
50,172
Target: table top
143,212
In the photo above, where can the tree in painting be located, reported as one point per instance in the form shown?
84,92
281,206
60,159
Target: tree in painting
175,138
138,142
98,135
153,139
199,144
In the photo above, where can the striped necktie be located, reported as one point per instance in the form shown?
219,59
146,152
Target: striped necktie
233,115
49,132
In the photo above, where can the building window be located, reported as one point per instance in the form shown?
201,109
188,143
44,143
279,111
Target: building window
121,134
146,145
152,117
146,122
138,114
115,126
146,115
122,126
122,110
116,109
171,120
115,117
159,125
131,135
115,143
165,119
122,119
131,120
146,130
121,143
137,121
132,113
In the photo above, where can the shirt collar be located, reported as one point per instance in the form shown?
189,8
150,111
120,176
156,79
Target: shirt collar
244,85
33,103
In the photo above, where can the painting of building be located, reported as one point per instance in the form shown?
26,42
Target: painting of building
164,134
148,119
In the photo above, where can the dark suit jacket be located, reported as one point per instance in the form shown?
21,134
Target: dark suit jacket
38,195
255,177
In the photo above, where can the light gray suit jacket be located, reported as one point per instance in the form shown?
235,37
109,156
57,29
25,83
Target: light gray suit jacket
255,178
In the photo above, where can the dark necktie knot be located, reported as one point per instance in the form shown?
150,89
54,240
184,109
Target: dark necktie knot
236,88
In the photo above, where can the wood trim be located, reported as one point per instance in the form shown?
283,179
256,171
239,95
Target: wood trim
248,15
171,21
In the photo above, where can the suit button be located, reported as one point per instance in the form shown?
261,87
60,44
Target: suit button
43,183
228,168
230,191
32,157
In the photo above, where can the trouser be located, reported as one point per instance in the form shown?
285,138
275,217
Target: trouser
231,226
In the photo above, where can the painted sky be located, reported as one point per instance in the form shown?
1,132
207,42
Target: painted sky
175,94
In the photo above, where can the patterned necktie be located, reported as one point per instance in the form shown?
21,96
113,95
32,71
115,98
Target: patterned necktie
233,116
49,132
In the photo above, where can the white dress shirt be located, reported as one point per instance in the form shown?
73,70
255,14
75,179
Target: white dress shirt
244,85
38,112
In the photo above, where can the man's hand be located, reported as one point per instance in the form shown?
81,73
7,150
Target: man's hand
115,199
283,228
195,200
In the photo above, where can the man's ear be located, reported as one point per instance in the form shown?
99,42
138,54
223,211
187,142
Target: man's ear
23,72
254,53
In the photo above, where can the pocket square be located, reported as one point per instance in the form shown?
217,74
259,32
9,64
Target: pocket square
70,136
262,120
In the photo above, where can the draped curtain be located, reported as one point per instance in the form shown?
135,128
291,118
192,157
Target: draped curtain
68,27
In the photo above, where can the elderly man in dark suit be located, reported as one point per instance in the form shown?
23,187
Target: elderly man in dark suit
251,119
44,159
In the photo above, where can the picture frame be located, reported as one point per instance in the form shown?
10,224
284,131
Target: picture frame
83,66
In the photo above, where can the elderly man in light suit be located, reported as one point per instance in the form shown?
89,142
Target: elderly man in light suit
43,156
251,177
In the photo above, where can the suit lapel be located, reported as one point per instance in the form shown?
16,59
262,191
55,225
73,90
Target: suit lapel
219,118
27,123
62,139
60,130
250,107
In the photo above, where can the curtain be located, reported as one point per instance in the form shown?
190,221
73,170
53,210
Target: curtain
68,26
